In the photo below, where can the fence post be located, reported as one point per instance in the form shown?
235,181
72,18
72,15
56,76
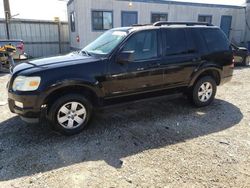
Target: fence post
59,37
57,20
7,16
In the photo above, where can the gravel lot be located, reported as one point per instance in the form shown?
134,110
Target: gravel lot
153,144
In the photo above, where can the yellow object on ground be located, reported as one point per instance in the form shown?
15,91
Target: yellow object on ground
7,49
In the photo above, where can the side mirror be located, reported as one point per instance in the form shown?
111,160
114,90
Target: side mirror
125,57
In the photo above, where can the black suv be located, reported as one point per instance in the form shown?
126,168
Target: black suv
123,64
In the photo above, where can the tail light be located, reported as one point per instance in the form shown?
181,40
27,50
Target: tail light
20,46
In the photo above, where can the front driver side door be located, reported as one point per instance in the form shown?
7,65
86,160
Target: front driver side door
136,75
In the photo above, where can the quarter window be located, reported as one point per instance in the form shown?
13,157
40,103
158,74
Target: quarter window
143,44
102,20
155,17
216,40
205,19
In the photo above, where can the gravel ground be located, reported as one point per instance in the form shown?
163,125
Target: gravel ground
153,144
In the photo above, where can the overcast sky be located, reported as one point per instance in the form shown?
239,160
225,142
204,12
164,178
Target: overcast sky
48,9
37,9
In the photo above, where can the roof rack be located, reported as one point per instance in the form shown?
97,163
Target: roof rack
138,25
160,23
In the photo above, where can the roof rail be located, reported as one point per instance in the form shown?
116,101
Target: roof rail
138,25
160,23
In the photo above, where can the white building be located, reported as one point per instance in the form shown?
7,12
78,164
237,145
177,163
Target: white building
90,18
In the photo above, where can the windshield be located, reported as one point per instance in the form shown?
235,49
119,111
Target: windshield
104,44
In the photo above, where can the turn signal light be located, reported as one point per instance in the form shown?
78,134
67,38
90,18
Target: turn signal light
33,83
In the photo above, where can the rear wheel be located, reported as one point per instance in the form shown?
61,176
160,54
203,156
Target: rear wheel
203,91
70,114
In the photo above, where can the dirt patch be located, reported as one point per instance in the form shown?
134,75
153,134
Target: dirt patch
154,144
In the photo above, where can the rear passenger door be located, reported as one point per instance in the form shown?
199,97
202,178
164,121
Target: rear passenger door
180,55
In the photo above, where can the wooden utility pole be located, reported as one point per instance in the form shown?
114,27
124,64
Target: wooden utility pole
57,20
7,16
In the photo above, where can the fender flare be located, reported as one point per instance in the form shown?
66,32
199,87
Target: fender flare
196,74
66,83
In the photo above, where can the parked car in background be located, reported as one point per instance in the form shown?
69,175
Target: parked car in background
241,55
123,64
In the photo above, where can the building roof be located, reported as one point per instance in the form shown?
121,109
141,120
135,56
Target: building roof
170,2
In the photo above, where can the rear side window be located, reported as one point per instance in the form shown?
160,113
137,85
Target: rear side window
174,42
195,41
216,40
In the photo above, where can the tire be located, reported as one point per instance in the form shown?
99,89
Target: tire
70,114
246,61
201,97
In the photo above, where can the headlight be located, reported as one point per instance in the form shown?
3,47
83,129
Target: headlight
23,83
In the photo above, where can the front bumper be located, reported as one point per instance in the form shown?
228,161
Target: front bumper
31,105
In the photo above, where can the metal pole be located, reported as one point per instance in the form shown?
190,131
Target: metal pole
59,37
58,22
7,16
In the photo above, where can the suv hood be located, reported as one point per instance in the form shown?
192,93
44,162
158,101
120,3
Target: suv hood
53,62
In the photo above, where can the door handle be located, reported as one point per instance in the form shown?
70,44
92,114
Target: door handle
140,69
196,59
154,65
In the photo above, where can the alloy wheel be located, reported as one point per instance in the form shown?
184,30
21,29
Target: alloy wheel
71,115
205,91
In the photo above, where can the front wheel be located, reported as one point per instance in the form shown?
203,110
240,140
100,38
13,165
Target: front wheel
203,91
70,114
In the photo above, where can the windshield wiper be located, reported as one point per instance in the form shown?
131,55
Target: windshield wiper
85,52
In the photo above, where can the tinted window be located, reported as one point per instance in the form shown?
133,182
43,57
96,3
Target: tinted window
159,17
216,40
102,20
195,41
143,44
174,42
